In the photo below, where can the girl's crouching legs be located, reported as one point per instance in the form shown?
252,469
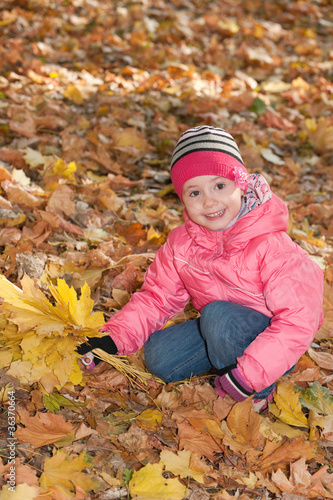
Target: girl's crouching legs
177,352
228,329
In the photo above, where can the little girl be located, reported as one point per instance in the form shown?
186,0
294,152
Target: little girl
259,293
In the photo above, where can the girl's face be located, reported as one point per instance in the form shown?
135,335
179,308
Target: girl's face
211,201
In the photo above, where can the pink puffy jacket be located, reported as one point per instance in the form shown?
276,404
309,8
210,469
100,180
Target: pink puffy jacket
254,263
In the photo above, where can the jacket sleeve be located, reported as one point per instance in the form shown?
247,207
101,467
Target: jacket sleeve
293,291
162,295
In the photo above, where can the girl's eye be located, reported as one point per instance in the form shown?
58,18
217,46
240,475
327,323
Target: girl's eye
220,186
194,193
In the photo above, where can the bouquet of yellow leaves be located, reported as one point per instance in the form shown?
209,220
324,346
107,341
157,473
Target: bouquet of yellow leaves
38,339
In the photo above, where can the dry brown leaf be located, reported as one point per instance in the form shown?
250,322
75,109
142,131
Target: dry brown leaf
23,473
210,425
134,440
289,451
9,235
275,120
132,233
22,196
42,429
108,379
222,406
230,441
301,482
38,233
203,394
323,359
321,136
167,399
244,423
197,442
61,201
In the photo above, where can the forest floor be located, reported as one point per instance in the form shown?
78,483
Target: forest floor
93,97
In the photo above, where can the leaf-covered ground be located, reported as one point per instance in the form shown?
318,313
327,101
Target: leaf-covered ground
93,96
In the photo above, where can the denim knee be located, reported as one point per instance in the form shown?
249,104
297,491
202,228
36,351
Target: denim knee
211,319
228,329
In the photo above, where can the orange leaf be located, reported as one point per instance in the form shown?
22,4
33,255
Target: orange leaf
290,451
244,423
42,429
197,442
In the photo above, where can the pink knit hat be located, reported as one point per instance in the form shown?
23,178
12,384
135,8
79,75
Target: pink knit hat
207,151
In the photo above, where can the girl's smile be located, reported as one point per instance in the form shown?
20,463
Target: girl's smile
211,201
217,214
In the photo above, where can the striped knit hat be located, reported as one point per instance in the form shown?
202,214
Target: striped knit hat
207,151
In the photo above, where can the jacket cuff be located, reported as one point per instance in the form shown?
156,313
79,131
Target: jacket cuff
235,385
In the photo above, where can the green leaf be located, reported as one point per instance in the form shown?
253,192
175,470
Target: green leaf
128,473
55,401
258,106
317,398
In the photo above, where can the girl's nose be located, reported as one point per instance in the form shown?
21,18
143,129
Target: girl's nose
209,201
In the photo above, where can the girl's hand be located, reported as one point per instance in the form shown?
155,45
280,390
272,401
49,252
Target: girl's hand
232,382
105,343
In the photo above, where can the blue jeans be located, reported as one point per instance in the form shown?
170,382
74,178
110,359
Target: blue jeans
214,340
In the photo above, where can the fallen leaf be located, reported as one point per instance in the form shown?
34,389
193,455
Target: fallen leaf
65,473
197,442
21,492
74,94
24,473
33,158
323,359
288,408
150,419
289,451
149,483
317,398
22,195
179,464
244,423
42,429
134,440
130,138
61,200
302,483
321,134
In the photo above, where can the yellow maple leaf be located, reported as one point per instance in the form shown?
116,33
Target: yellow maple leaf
64,170
150,419
30,309
79,311
288,408
179,464
149,483
66,474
